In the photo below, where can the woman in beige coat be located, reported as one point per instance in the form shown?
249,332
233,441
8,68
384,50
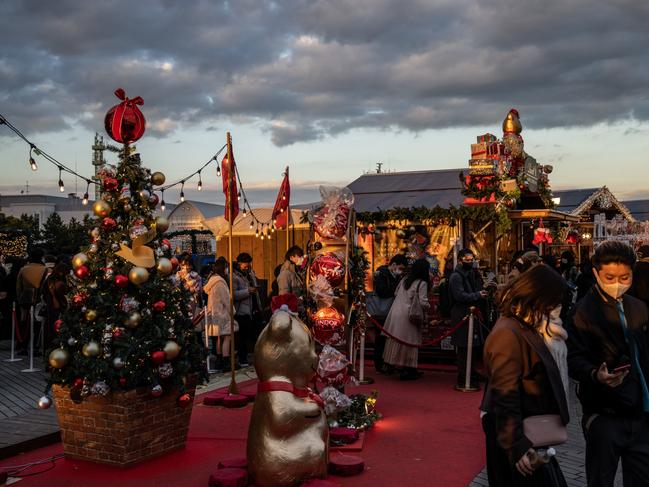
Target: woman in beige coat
404,337
218,312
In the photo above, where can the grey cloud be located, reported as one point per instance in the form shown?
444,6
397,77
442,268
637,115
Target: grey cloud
305,70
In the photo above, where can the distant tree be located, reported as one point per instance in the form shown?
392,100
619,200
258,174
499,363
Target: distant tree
60,238
26,223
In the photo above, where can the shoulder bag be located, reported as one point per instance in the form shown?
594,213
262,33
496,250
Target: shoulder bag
545,430
416,314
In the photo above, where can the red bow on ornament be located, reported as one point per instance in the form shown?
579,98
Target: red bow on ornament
290,300
125,122
542,235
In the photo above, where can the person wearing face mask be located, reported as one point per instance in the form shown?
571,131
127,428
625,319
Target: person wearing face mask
386,279
608,355
465,291
289,281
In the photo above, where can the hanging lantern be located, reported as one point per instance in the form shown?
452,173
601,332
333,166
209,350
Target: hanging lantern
125,122
329,326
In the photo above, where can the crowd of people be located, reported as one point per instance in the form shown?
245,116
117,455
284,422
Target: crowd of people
555,323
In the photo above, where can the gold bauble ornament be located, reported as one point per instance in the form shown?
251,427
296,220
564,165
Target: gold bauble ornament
165,267
91,315
134,320
101,208
59,358
79,259
138,275
91,349
161,224
171,349
158,178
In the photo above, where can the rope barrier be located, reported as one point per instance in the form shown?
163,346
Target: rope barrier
427,343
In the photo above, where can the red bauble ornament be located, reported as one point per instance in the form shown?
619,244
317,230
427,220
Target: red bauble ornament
117,332
184,400
121,281
174,263
330,266
108,223
57,325
122,381
78,300
125,122
82,272
158,357
329,326
159,306
110,184
154,200
78,382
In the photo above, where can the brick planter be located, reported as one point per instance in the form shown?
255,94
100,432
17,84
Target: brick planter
123,428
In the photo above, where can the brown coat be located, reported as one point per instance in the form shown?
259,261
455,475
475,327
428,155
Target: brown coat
523,381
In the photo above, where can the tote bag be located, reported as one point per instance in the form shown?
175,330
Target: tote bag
416,314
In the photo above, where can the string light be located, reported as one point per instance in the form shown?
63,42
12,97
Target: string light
257,231
244,212
218,169
252,224
239,195
61,185
268,233
200,182
182,192
162,198
32,162
262,231
84,202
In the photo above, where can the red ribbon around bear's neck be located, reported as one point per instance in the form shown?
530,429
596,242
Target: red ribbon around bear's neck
278,385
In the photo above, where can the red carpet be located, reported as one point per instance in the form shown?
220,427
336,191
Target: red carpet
430,436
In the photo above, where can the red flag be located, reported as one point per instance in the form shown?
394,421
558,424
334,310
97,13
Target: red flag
229,175
280,212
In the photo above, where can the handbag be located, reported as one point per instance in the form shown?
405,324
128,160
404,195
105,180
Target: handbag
545,430
378,307
416,314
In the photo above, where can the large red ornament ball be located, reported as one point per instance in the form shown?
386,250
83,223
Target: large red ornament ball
330,266
121,281
78,382
158,357
82,272
78,300
108,223
57,325
125,122
110,184
159,306
329,326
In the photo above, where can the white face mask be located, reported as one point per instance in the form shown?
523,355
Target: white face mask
615,290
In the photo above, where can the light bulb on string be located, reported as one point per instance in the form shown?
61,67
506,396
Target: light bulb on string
272,228
200,182
182,192
32,162
162,197
257,232
262,232
84,202
61,185
245,213
239,195
218,170
268,232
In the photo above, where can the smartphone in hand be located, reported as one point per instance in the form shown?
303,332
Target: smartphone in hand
621,368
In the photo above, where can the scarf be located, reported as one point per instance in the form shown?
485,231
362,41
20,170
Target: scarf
555,336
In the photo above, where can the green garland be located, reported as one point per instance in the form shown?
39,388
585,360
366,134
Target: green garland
362,413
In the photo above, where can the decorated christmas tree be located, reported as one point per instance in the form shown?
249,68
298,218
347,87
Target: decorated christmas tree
128,324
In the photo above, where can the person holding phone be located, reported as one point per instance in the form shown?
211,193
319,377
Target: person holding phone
608,355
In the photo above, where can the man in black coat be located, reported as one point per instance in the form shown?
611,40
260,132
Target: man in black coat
608,355
465,291
386,280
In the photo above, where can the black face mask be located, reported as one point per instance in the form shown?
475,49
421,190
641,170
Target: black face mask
467,266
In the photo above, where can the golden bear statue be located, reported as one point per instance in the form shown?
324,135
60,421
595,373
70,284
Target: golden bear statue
288,436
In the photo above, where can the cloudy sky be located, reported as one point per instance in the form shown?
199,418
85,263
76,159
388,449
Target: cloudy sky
329,87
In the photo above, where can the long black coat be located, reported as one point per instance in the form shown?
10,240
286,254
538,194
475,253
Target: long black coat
523,381
464,292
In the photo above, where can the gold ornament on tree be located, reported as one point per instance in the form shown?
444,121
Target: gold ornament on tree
161,224
134,320
171,350
59,358
158,178
138,275
91,315
165,267
101,208
91,349
79,260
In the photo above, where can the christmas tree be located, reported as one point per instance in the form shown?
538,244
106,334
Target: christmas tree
128,322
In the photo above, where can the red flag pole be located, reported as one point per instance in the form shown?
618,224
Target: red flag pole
288,219
232,389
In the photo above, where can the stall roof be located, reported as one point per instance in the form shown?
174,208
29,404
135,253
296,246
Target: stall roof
579,201
638,208
542,213
384,191
572,198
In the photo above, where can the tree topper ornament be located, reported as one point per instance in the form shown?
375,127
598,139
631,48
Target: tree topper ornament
125,122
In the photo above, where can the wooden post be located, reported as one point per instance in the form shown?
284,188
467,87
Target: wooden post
232,389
